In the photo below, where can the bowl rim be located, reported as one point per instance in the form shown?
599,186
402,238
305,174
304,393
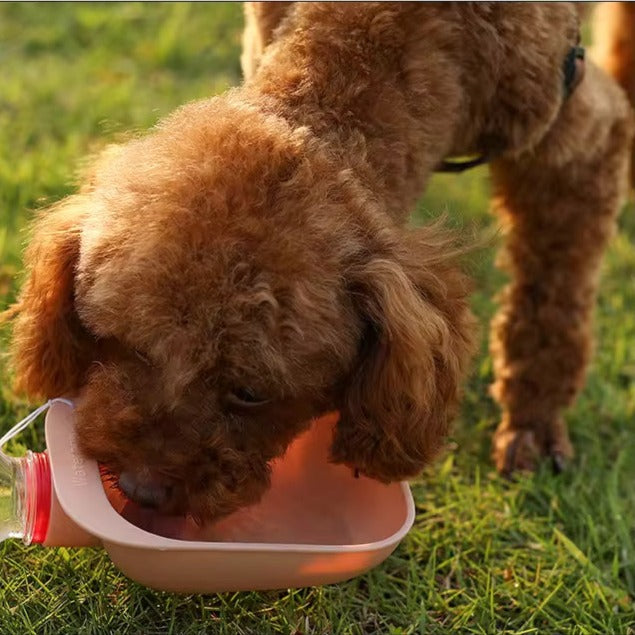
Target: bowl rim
84,500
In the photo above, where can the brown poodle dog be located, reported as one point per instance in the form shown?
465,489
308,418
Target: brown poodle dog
248,265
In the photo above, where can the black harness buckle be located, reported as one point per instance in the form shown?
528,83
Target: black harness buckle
573,69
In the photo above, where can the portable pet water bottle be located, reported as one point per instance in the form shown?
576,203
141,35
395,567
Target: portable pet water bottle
316,524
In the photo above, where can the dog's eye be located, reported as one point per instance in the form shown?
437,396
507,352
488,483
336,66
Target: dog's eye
244,396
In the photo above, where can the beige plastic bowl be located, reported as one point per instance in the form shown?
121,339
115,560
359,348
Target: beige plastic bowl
316,525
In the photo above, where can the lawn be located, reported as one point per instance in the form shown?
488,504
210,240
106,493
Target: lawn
544,554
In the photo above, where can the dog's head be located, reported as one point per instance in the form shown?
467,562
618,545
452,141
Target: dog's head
217,284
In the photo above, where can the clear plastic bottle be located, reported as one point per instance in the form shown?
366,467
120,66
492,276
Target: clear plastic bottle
25,497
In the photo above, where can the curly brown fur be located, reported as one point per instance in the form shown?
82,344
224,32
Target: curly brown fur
248,264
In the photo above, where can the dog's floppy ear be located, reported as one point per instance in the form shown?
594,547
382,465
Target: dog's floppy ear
396,408
50,349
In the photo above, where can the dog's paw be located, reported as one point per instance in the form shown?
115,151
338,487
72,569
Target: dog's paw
521,449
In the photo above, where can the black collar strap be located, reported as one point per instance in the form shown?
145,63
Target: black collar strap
573,69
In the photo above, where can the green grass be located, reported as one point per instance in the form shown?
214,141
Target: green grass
541,555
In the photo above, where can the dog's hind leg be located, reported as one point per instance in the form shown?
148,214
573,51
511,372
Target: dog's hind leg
261,20
558,204
614,51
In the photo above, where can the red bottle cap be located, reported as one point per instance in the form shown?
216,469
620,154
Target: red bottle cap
38,481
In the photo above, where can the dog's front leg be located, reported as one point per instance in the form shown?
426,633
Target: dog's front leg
558,203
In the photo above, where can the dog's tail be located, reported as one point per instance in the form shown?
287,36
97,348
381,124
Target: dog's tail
614,47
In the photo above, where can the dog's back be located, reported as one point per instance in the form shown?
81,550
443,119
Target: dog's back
613,34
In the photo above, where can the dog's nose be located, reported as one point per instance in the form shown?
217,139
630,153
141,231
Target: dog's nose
143,488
